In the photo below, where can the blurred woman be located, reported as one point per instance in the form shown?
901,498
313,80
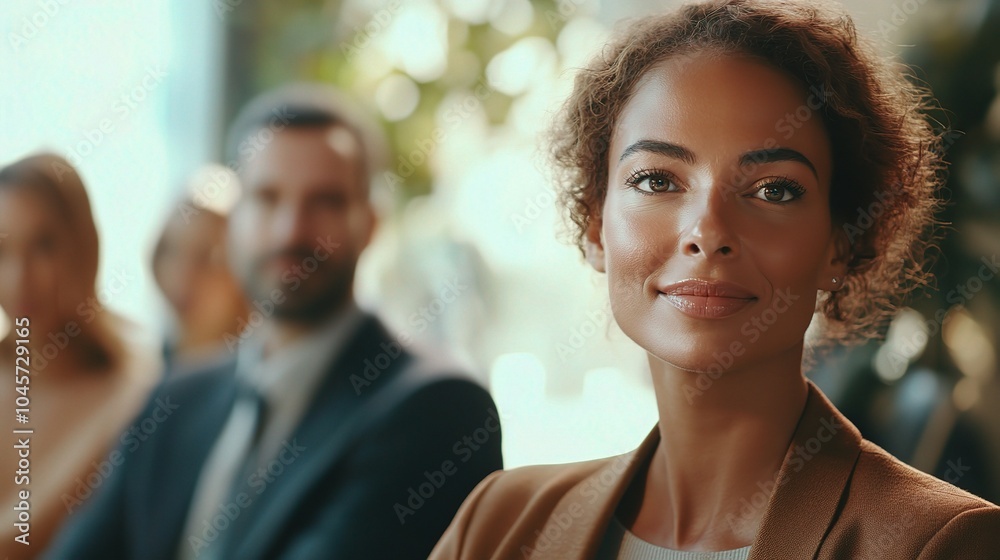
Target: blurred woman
82,380
737,169
189,264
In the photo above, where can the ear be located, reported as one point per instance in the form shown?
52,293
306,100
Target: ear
593,244
835,259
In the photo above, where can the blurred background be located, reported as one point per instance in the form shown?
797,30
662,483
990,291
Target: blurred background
138,97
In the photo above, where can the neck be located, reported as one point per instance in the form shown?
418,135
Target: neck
722,444
61,354
198,336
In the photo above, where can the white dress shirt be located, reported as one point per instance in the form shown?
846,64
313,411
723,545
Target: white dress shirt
286,378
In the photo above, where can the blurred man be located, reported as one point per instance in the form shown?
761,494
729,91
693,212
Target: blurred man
326,438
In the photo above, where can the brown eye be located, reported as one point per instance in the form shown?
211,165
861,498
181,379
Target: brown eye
779,191
659,184
652,182
774,194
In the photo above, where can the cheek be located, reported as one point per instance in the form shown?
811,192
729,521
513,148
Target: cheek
244,236
789,256
637,243
47,272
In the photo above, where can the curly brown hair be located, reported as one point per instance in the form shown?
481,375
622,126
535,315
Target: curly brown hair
887,156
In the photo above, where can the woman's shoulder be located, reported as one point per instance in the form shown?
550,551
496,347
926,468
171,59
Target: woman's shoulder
886,475
536,485
511,505
889,499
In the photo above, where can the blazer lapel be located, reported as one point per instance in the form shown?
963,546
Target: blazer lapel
810,483
809,486
578,522
327,431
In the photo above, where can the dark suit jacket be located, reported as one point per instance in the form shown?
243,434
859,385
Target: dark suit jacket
837,497
372,475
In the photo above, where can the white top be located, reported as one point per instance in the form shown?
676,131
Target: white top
620,544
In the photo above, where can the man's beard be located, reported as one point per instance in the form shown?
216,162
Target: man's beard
317,296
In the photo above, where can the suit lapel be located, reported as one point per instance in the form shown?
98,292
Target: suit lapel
326,433
810,484
208,399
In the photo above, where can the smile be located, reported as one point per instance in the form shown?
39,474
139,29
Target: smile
707,299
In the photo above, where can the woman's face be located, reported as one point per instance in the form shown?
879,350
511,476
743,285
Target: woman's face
34,251
191,271
719,174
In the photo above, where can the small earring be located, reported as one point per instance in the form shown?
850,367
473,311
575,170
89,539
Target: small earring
835,279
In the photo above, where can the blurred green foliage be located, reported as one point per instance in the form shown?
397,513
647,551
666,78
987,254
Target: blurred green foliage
269,44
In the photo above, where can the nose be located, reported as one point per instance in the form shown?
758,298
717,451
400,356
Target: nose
290,226
710,233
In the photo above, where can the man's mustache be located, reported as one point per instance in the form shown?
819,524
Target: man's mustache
297,253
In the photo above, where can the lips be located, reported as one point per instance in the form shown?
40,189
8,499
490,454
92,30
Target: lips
709,299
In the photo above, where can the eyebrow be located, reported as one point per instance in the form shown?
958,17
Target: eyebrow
776,154
687,156
659,147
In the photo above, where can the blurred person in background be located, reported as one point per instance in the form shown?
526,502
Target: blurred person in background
713,160
326,437
85,377
189,265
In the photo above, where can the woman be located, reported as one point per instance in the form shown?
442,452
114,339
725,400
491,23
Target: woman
190,269
83,381
716,162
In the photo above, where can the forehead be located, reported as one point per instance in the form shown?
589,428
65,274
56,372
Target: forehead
303,155
722,105
23,207
200,228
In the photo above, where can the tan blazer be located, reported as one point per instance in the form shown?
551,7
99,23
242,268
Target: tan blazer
837,497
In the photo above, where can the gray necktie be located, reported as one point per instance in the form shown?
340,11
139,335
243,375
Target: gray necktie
216,505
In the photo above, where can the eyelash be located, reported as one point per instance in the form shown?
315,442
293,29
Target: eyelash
639,175
786,183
